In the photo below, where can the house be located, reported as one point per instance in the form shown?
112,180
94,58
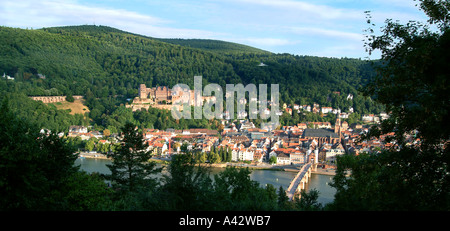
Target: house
235,154
289,110
356,126
159,145
306,108
96,134
201,131
370,118
384,115
335,150
283,158
239,139
246,125
322,154
315,110
326,110
104,141
246,154
258,155
297,157
336,111
85,136
78,129
302,126
318,125
343,115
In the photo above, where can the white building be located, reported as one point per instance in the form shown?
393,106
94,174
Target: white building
326,110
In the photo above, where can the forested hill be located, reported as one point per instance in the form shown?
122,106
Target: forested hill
109,63
216,46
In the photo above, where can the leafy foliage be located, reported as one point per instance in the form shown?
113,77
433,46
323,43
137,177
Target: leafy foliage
226,48
131,167
412,82
107,65
37,170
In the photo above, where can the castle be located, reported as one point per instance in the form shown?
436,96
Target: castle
156,94
162,97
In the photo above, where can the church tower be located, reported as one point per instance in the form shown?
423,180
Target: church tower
337,125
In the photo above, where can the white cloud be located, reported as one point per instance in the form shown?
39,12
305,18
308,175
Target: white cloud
294,26
49,13
57,12
305,9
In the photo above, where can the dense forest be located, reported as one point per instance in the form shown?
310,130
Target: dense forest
106,66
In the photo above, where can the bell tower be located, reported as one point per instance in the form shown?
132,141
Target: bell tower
337,125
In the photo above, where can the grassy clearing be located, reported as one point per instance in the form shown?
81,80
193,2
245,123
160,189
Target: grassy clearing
77,107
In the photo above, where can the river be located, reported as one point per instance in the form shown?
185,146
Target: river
276,178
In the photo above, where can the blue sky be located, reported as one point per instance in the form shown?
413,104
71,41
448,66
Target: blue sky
327,28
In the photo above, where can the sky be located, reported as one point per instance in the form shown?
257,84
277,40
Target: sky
324,28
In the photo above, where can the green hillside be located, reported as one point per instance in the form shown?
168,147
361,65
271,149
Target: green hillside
107,65
216,46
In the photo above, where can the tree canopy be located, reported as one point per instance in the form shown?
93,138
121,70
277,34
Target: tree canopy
106,66
412,82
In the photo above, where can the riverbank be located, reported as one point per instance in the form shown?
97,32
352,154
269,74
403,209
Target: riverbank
260,166
93,155
286,168
328,172
277,177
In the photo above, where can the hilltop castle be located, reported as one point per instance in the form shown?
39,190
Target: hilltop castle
156,94
163,97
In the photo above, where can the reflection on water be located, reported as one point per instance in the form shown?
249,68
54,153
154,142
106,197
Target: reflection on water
93,165
321,184
276,178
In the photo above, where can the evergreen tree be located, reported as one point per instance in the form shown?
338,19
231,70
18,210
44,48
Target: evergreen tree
308,201
283,199
187,187
214,157
131,168
37,171
229,154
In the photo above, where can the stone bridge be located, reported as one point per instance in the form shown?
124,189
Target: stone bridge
300,180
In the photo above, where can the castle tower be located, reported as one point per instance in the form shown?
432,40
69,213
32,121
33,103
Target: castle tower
143,93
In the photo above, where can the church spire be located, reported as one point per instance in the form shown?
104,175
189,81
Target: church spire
337,125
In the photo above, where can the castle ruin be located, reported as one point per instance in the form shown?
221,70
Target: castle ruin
156,94
53,99
162,97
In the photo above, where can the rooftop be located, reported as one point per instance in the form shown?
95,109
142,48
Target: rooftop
319,133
